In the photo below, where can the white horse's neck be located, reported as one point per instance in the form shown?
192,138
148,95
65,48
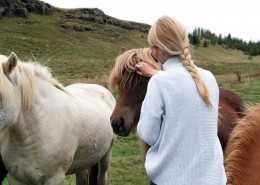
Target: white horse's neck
46,102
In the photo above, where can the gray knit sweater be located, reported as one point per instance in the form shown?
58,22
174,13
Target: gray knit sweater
181,129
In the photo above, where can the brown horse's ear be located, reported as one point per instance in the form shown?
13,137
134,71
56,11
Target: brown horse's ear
123,49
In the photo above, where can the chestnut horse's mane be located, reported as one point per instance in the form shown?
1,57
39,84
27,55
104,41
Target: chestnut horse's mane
241,138
124,76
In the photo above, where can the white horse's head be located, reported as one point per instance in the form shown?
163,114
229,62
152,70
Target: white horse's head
18,84
10,93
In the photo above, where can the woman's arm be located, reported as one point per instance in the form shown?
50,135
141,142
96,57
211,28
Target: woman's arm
152,111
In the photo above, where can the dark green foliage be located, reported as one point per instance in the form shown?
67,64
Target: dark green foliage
228,42
205,44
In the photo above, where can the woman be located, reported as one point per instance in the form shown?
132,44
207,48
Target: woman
179,113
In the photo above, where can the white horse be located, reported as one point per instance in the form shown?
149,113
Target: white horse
48,131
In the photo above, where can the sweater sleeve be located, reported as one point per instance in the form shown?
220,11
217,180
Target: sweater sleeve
149,125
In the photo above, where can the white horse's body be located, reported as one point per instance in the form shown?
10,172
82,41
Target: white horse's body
49,131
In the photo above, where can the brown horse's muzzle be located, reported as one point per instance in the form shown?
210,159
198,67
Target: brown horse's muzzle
119,126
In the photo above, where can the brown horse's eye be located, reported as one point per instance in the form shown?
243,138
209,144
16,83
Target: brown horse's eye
140,99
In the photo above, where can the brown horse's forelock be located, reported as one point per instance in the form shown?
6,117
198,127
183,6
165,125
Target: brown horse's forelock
124,75
127,84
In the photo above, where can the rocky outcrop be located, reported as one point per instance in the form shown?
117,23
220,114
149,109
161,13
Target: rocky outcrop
98,16
76,27
89,14
22,7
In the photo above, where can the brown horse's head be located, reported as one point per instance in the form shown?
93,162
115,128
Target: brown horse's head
131,88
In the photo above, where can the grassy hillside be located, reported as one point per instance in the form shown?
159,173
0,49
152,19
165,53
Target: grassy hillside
89,56
70,54
74,55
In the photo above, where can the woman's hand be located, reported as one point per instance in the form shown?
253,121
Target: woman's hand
145,69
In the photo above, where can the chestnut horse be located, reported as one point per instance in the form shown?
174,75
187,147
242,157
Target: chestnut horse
132,89
241,157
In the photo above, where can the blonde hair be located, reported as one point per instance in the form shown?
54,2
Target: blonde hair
171,37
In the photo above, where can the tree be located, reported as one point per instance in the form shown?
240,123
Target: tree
205,44
220,40
198,34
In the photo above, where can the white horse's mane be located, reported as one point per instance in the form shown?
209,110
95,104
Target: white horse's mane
24,75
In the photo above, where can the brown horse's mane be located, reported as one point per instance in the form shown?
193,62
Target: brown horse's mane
124,76
240,142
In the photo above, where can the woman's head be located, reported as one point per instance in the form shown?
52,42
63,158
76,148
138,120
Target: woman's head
169,35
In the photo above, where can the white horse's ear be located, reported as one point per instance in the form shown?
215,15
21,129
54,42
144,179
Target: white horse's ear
10,64
123,49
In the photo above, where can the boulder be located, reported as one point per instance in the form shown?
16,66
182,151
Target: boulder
22,7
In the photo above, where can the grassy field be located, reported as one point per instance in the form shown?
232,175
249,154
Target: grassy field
89,56
127,161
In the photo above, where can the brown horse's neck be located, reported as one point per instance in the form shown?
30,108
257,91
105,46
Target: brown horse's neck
242,163
252,168
246,172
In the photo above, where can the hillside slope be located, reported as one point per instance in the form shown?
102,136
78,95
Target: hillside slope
76,48
66,51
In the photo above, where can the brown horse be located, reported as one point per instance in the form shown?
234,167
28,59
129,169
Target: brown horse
241,157
132,89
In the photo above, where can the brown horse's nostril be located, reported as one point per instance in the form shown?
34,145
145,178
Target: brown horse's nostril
118,125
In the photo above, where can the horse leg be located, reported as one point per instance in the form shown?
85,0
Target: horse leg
93,174
3,171
103,169
144,147
82,178
104,166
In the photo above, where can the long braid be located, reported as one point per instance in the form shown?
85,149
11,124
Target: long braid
202,88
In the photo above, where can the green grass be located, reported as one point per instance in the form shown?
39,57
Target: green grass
127,162
249,91
222,61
